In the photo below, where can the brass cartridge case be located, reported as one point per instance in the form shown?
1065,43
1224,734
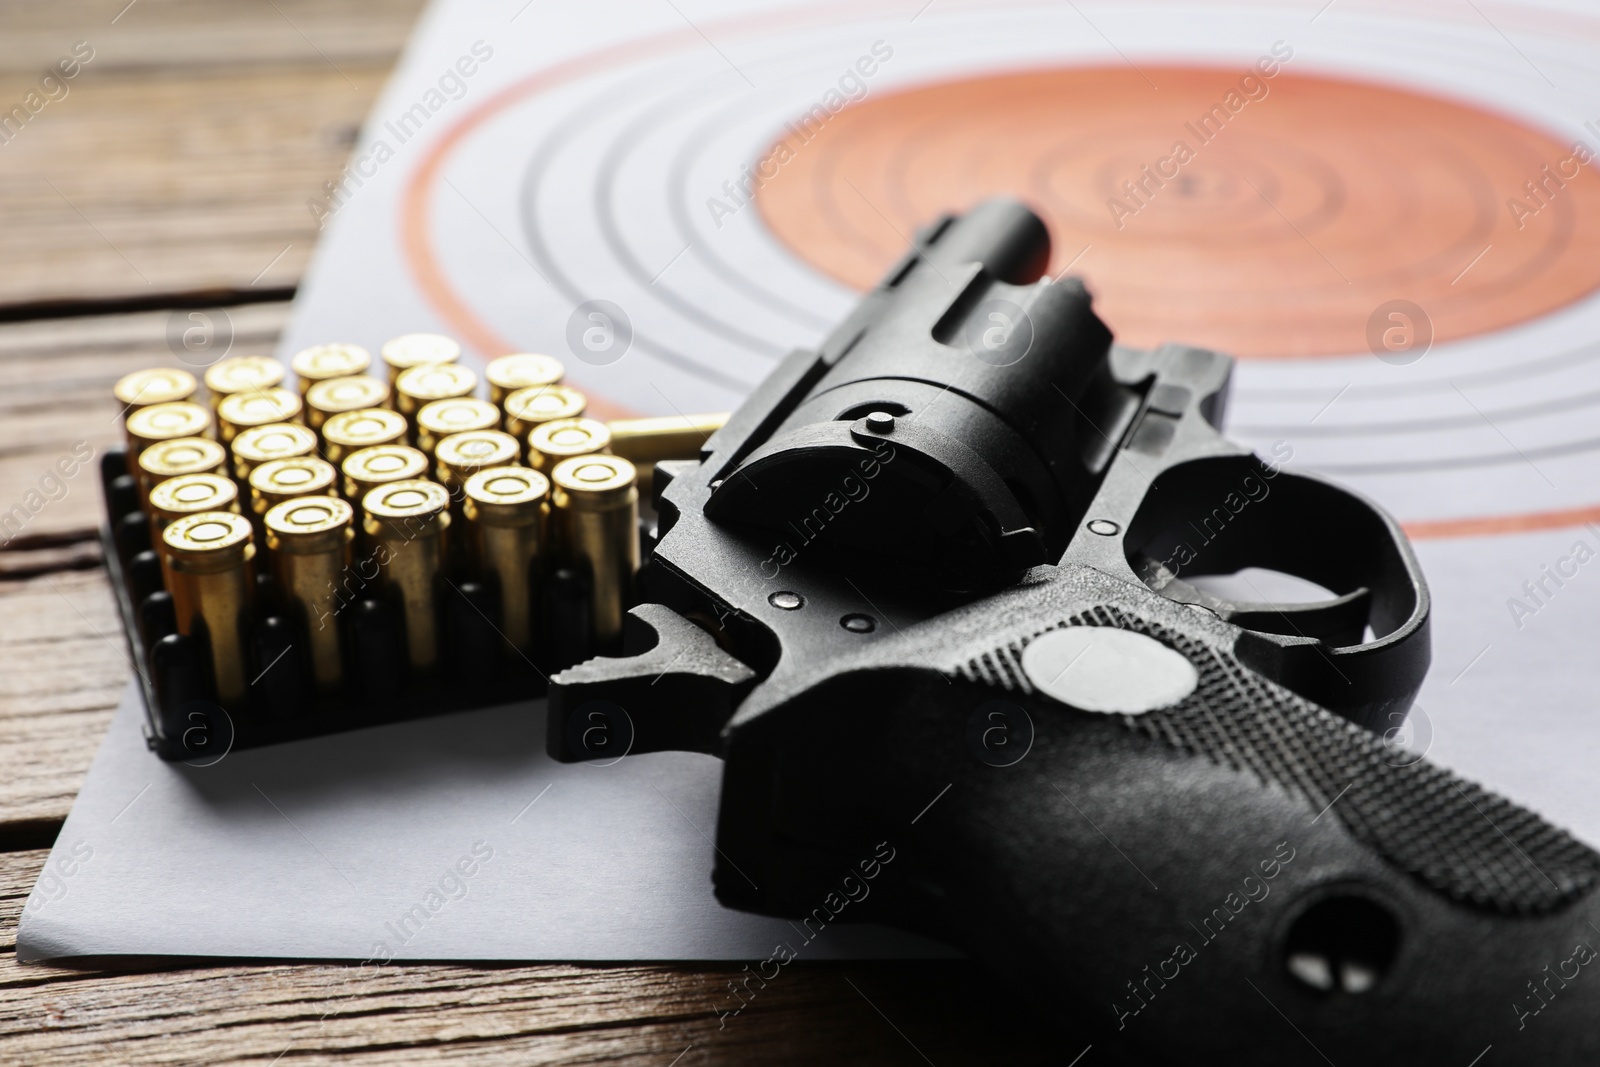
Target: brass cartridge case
351,431
191,494
339,395
406,524
441,418
419,386
177,457
242,374
156,385
505,512
528,408
323,362
309,542
242,411
163,422
595,512
523,370
415,350
208,561
646,442
289,479
367,468
263,444
461,455
649,441
552,442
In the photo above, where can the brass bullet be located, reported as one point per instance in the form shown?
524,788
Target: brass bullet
163,422
157,385
646,442
441,418
461,455
367,468
175,458
191,494
339,395
523,370
552,442
652,440
309,542
322,362
595,508
422,385
263,444
287,479
208,560
417,349
406,523
351,431
242,374
527,408
240,411
505,512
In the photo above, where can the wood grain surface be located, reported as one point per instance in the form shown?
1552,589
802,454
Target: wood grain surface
172,176
181,157
154,1012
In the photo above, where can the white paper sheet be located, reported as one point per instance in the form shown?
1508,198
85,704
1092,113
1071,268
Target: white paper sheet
447,838
574,163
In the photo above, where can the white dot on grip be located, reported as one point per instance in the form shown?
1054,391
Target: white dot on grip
1100,668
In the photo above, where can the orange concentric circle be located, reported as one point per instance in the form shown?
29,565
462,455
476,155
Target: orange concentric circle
1265,219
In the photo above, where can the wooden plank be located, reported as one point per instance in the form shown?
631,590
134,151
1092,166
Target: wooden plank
182,156
173,34
59,375
102,204
629,1014
64,673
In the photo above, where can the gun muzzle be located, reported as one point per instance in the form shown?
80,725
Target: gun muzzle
976,398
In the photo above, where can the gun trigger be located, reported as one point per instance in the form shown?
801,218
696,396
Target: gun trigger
1338,622
676,692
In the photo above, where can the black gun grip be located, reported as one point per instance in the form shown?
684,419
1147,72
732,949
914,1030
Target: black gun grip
1240,877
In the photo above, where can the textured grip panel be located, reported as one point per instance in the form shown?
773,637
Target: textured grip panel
1450,834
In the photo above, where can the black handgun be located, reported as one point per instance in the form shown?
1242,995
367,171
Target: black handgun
937,594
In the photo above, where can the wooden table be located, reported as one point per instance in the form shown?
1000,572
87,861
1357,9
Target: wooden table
174,175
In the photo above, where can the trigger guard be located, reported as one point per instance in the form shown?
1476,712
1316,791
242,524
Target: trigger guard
1210,512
